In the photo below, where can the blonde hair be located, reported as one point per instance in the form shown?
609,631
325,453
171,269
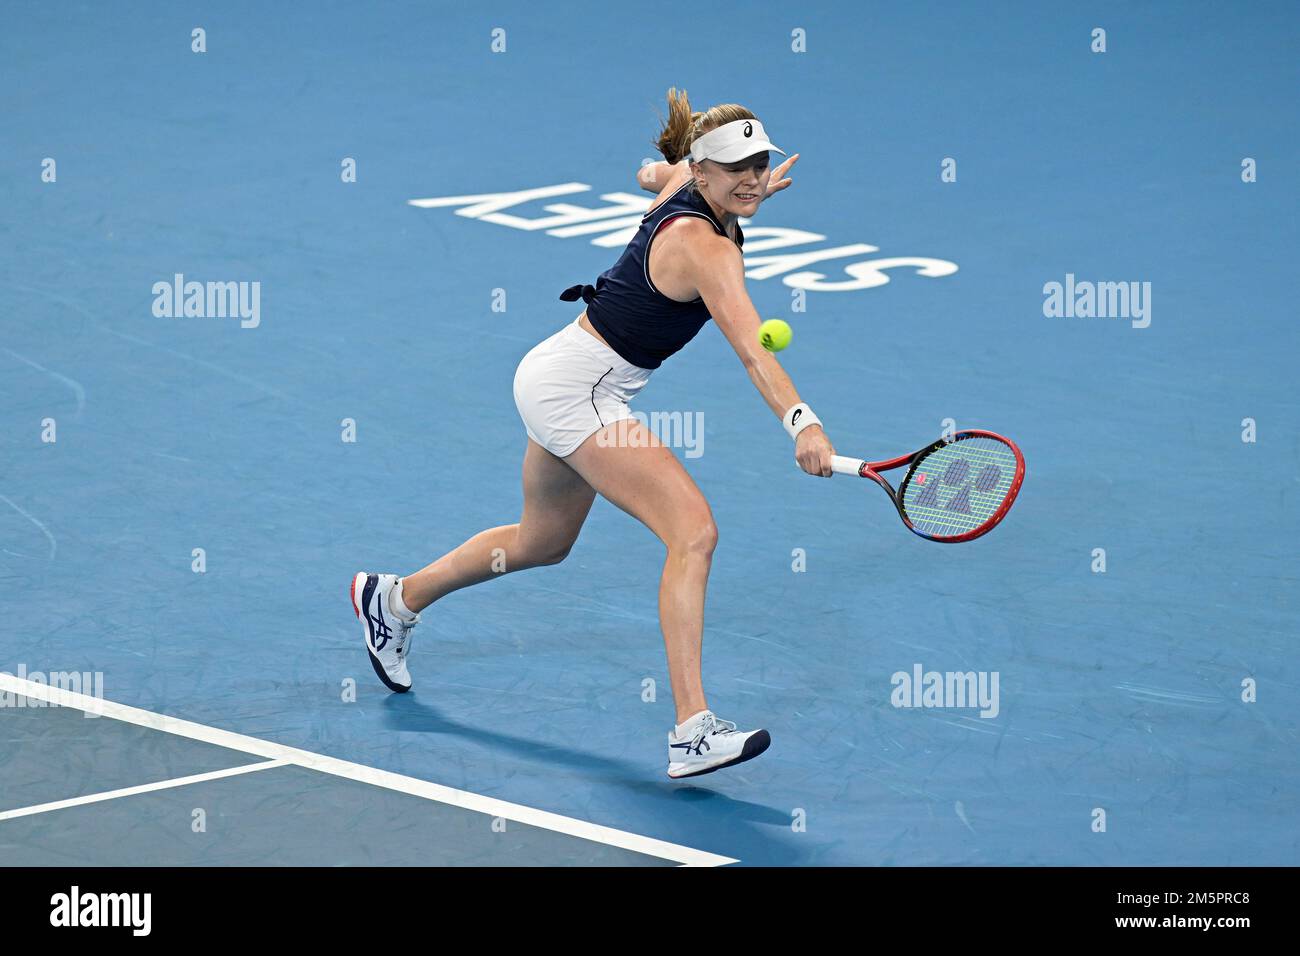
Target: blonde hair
683,127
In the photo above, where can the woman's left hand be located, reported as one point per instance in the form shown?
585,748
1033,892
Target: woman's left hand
778,180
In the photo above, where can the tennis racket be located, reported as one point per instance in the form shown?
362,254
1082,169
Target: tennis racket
955,489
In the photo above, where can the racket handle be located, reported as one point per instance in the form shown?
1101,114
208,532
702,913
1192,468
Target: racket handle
846,466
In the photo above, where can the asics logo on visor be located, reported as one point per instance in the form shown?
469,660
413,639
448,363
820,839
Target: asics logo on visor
749,129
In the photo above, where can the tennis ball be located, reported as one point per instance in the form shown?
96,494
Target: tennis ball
774,335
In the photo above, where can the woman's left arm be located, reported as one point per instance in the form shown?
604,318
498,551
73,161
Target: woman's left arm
779,179
718,272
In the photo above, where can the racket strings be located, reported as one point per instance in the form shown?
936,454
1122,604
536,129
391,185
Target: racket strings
958,487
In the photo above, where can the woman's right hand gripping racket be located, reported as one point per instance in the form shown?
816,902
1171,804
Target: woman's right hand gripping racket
955,489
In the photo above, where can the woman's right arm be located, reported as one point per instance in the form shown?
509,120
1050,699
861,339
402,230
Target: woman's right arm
653,177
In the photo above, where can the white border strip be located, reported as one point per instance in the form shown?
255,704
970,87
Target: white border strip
143,788
380,778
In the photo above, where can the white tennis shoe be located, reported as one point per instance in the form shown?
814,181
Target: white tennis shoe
704,744
388,637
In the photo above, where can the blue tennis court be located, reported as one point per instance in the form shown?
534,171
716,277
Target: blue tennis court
993,224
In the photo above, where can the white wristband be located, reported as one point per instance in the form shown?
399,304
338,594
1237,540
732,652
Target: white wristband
798,418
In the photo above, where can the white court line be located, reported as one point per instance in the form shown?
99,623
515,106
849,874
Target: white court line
380,778
54,545
78,392
143,788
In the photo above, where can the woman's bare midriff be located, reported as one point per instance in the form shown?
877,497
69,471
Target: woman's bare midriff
586,324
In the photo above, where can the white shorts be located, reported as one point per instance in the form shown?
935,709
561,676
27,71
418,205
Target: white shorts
572,385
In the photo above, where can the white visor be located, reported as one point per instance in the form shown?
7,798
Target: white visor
732,142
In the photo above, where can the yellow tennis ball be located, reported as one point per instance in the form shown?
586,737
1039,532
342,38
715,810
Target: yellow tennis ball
774,335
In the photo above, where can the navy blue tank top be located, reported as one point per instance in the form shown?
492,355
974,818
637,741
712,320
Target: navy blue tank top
639,322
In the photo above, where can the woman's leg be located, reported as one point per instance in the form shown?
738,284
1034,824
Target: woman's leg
629,467
556,503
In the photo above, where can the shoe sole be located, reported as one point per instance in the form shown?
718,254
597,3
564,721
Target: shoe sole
365,633
754,746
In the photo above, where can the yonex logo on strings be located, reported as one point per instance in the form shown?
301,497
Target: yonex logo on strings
615,225
956,474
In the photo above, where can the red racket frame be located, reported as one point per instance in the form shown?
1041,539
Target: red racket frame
872,469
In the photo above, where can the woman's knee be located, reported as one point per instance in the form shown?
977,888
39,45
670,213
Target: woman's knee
551,555
531,552
695,533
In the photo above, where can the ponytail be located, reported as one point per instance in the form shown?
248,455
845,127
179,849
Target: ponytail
683,127
680,129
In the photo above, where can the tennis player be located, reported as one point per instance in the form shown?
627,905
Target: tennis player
683,266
